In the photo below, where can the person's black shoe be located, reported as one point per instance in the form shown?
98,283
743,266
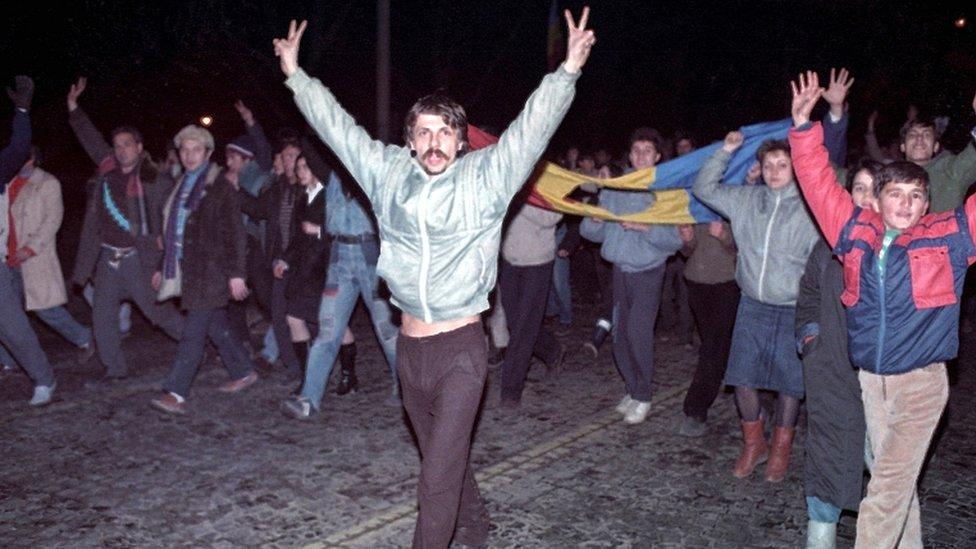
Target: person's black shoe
347,374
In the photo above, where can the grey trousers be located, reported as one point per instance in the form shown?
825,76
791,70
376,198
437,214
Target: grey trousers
114,283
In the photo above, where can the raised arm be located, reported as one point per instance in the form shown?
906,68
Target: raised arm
362,155
512,159
871,145
961,168
13,156
262,149
830,203
88,135
708,185
835,121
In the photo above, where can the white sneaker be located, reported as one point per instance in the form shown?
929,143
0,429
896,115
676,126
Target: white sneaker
42,395
638,412
625,405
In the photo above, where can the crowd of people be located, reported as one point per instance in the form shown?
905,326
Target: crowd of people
834,283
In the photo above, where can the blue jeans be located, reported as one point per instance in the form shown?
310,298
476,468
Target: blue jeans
125,311
819,510
198,327
58,318
270,350
349,277
16,333
560,295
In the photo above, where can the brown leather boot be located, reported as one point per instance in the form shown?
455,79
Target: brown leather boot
779,455
754,448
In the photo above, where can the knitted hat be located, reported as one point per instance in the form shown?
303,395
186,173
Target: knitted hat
242,144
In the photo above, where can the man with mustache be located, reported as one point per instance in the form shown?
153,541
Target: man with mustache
440,214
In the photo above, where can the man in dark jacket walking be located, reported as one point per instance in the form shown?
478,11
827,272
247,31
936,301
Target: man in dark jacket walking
118,247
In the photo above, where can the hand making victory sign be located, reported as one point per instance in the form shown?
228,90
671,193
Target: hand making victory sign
287,48
579,41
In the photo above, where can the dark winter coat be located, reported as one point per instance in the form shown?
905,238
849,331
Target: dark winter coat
835,415
214,244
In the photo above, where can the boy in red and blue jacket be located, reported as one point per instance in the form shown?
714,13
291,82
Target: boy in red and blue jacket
903,277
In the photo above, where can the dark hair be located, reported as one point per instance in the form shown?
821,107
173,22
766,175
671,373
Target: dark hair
441,105
864,163
902,171
923,122
289,142
772,145
680,135
645,133
129,130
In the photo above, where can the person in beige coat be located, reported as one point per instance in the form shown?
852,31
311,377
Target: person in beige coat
34,216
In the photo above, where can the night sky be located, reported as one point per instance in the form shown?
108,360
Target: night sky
701,66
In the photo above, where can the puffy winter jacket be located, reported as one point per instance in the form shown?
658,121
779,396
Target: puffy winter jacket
907,317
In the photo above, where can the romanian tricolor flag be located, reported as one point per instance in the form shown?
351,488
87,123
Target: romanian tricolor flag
670,181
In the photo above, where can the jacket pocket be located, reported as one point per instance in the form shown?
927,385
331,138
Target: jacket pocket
932,281
852,277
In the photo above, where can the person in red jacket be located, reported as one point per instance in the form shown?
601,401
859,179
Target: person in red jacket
903,277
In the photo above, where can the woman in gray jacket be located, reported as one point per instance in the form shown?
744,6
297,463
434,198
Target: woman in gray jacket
774,235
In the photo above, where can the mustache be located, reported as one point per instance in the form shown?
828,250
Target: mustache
434,152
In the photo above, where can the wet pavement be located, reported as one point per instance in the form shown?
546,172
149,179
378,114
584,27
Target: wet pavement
100,468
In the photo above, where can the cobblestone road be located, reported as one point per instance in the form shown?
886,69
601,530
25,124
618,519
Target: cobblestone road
102,469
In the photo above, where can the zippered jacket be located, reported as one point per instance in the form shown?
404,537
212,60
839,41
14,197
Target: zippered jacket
631,251
439,235
773,231
907,317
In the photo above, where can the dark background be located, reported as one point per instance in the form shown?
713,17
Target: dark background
701,66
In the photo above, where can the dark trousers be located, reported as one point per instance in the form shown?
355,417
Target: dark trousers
200,325
118,281
524,292
714,307
442,378
636,298
675,310
279,321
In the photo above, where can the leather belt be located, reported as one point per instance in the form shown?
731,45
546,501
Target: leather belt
354,239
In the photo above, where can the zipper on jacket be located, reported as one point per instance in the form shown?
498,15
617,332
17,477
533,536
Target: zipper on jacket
424,248
881,325
769,231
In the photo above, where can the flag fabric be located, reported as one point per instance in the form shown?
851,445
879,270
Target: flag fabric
670,181
555,46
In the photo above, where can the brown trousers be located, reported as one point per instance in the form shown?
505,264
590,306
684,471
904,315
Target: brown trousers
901,413
442,378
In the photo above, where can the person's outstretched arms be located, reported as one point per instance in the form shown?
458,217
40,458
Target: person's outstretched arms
519,147
708,187
88,135
362,155
830,203
13,156
835,122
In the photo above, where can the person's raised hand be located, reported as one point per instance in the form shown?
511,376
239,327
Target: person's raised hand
806,93
157,280
74,91
578,42
287,48
733,140
22,93
752,175
246,115
872,120
836,92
